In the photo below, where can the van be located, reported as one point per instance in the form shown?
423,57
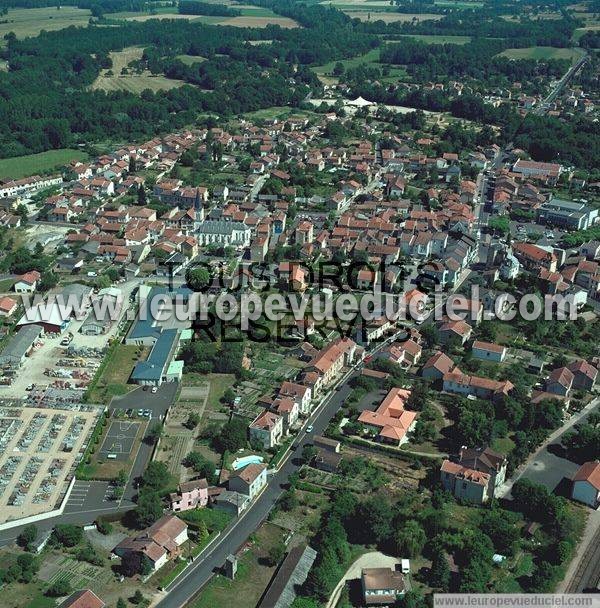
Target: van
111,456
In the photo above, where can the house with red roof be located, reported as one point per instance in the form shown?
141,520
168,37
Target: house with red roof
27,283
584,374
267,429
391,421
560,381
586,484
437,366
84,598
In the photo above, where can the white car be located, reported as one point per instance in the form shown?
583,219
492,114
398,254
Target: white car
309,428
154,389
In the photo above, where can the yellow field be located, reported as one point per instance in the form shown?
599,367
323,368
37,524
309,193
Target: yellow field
134,83
27,22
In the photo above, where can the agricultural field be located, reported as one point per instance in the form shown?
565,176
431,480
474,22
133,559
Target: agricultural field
115,80
27,22
251,16
542,53
22,166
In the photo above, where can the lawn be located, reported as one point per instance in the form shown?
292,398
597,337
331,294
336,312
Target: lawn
371,58
115,371
252,578
26,22
542,53
32,164
190,59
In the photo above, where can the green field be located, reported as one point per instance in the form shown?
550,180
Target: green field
541,53
371,58
23,166
438,39
26,22
190,59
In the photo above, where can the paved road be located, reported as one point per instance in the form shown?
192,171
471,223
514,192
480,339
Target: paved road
199,573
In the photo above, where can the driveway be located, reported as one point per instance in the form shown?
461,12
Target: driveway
375,559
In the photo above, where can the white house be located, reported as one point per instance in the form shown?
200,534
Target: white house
586,484
266,428
249,481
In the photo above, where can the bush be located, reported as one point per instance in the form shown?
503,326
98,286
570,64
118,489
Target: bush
67,535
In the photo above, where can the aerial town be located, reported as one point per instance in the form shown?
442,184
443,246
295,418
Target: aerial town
182,426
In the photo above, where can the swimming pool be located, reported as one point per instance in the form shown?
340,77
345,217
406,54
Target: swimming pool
240,463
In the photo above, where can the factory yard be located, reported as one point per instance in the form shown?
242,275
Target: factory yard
39,449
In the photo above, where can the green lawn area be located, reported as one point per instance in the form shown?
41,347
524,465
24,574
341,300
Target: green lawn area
190,59
541,53
438,39
503,445
6,285
115,372
371,58
23,166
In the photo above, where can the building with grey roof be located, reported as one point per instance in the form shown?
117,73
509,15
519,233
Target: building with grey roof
291,575
570,215
20,345
225,233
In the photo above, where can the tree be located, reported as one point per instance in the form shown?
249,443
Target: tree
27,536
154,433
276,553
192,421
59,588
410,538
138,597
149,509
121,603
232,436
200,464
67,535
141,195
198,278
308,453
228,396
439,575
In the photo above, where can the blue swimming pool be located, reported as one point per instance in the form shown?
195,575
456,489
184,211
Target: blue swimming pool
240,463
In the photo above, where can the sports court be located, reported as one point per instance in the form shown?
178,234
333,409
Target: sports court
119,440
